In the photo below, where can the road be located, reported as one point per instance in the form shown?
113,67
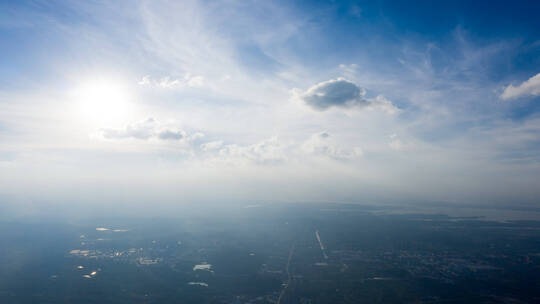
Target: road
321,244
289,276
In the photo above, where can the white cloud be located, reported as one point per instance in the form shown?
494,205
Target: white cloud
196,136
271,150
529,87
348,70
395,142
320,144
385,105
143,130
168,83
212,146
276,151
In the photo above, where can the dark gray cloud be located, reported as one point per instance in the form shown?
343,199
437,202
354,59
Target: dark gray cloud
335,93
342,93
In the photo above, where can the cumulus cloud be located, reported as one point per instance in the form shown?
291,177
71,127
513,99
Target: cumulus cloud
212,145
320,144
143,130
527,88
273,150
395,143
385,105
167,82
334,93
267,151
139,130
342,93
170,134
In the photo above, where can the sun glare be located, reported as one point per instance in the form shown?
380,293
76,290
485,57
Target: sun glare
102,102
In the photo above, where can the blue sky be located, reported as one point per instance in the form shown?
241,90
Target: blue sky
345,101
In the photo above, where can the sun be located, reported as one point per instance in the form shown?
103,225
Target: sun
102,102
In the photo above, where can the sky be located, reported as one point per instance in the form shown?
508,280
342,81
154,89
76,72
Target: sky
151,103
